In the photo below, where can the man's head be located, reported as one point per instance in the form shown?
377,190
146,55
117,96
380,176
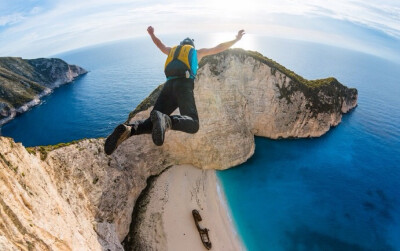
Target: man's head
188,41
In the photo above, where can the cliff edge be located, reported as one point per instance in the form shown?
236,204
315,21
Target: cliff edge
24,81
74,197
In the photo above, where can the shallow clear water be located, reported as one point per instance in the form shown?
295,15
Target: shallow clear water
336,192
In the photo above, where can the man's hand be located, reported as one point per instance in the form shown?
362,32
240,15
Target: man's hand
150,30
157,41
240,35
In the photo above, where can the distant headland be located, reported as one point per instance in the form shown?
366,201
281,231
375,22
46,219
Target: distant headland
23,82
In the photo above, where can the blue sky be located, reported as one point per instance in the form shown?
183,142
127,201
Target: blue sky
40,28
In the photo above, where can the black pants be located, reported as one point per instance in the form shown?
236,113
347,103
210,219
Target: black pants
175,93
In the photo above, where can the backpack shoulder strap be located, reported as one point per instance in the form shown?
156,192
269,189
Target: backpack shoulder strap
177,51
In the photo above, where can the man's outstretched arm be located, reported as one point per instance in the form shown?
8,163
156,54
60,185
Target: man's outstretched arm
157,41
219,48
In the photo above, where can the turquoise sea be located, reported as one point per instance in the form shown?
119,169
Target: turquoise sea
336,192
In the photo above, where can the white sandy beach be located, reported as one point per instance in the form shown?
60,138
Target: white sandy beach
168,218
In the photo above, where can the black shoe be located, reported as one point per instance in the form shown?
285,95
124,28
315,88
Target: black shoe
161,123
120,133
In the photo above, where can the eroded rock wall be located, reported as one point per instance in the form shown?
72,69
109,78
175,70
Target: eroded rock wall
34,214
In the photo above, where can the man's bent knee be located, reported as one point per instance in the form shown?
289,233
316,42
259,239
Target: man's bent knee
195,127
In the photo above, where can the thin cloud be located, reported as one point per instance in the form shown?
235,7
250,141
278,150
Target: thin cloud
378,15
11,19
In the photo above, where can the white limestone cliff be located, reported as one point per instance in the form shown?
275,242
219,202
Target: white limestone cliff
238,95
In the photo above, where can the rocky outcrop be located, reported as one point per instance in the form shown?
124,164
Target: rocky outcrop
39,213
74,197
24,81
240,94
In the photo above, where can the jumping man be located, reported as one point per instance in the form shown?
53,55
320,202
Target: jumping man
180,70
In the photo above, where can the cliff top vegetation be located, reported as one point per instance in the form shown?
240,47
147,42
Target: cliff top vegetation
271,63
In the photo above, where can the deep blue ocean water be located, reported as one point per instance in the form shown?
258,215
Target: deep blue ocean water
336,192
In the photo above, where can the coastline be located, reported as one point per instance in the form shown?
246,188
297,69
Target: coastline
165,221
228,213
37,100
56,73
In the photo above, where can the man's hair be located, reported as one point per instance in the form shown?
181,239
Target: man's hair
188,41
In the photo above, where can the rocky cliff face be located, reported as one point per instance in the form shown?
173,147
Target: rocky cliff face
240,94
74,197
23,82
